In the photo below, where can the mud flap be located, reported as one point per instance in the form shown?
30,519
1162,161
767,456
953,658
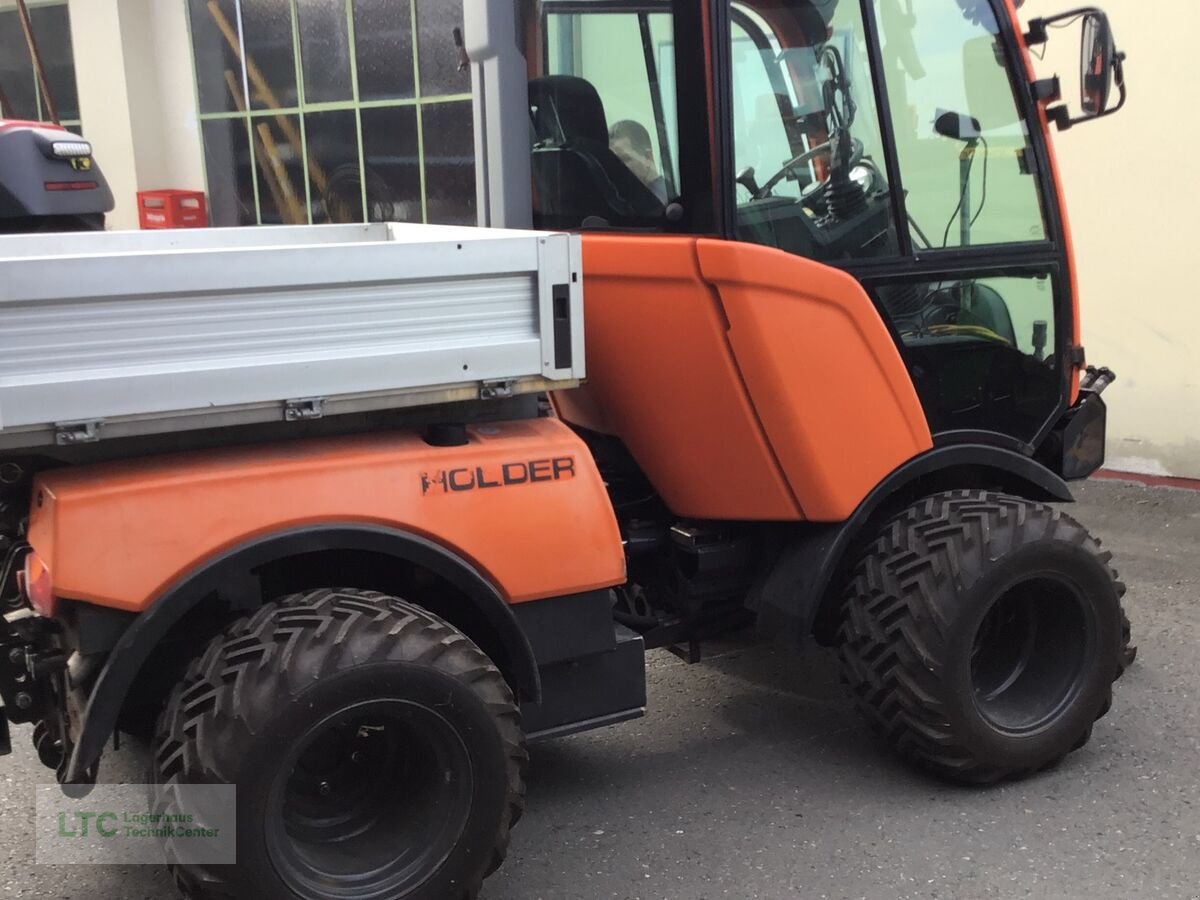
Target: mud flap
1083,438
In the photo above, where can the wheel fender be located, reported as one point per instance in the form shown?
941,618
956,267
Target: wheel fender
793,592
232,568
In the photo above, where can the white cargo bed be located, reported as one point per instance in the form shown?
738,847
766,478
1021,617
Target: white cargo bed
126,333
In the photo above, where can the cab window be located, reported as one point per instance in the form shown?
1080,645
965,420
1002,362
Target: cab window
808,150
603,115
963,148
983,351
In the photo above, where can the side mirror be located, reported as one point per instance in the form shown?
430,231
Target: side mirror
1098,65
1101,67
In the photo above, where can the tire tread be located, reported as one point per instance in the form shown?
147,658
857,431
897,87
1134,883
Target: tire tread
304,637
893,624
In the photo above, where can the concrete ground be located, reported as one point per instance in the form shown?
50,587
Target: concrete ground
751,777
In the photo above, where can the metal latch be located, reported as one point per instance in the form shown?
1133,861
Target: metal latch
69,433
495,390
304,410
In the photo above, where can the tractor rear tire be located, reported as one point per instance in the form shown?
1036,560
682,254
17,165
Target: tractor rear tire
376,752
981,635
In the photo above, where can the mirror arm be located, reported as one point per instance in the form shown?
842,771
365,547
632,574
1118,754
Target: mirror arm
1047,90
1039,28
1060,116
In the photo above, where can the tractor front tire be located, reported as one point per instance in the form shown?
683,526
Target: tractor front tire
375,750
981,635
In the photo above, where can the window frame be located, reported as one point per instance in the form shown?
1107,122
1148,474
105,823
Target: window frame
659,134
701,146
40,112
302,108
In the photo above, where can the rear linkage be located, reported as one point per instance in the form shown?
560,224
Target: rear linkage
33,684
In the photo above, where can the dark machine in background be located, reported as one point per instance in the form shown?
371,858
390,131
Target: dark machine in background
49,180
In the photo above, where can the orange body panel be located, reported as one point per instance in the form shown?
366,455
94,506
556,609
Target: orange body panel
747,382
826,378
662,377
522,501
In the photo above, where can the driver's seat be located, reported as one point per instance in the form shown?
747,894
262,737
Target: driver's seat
576,176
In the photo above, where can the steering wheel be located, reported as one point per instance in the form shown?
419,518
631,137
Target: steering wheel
856,156
840,112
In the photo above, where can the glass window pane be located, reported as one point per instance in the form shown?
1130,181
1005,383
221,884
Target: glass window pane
325,50
384,49
449,137
436,21
213,27
808,149
52,29
267,32
230,181
604,133
16,69
333,166
393,167
280,170
982,351
945,77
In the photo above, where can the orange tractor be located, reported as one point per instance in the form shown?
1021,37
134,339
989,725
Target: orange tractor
810,358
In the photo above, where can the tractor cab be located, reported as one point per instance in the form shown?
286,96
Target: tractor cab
904,142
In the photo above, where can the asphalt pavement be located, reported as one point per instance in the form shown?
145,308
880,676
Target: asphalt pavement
752,777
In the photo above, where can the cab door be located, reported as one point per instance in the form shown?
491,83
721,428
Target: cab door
621,150
887,138
746,382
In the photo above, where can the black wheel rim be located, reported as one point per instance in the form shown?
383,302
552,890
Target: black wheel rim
1029,654
371,803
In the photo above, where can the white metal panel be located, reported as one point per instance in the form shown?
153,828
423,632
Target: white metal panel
129,324
79,243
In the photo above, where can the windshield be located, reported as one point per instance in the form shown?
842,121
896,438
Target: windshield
970,184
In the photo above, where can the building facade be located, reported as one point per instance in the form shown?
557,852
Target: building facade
333,111
282,111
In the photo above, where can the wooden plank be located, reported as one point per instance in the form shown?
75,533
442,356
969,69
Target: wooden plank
38,67
263,88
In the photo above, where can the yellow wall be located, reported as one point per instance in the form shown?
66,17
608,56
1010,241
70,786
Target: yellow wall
1134,196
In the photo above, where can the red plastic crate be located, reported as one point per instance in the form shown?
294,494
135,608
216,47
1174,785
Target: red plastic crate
172,209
